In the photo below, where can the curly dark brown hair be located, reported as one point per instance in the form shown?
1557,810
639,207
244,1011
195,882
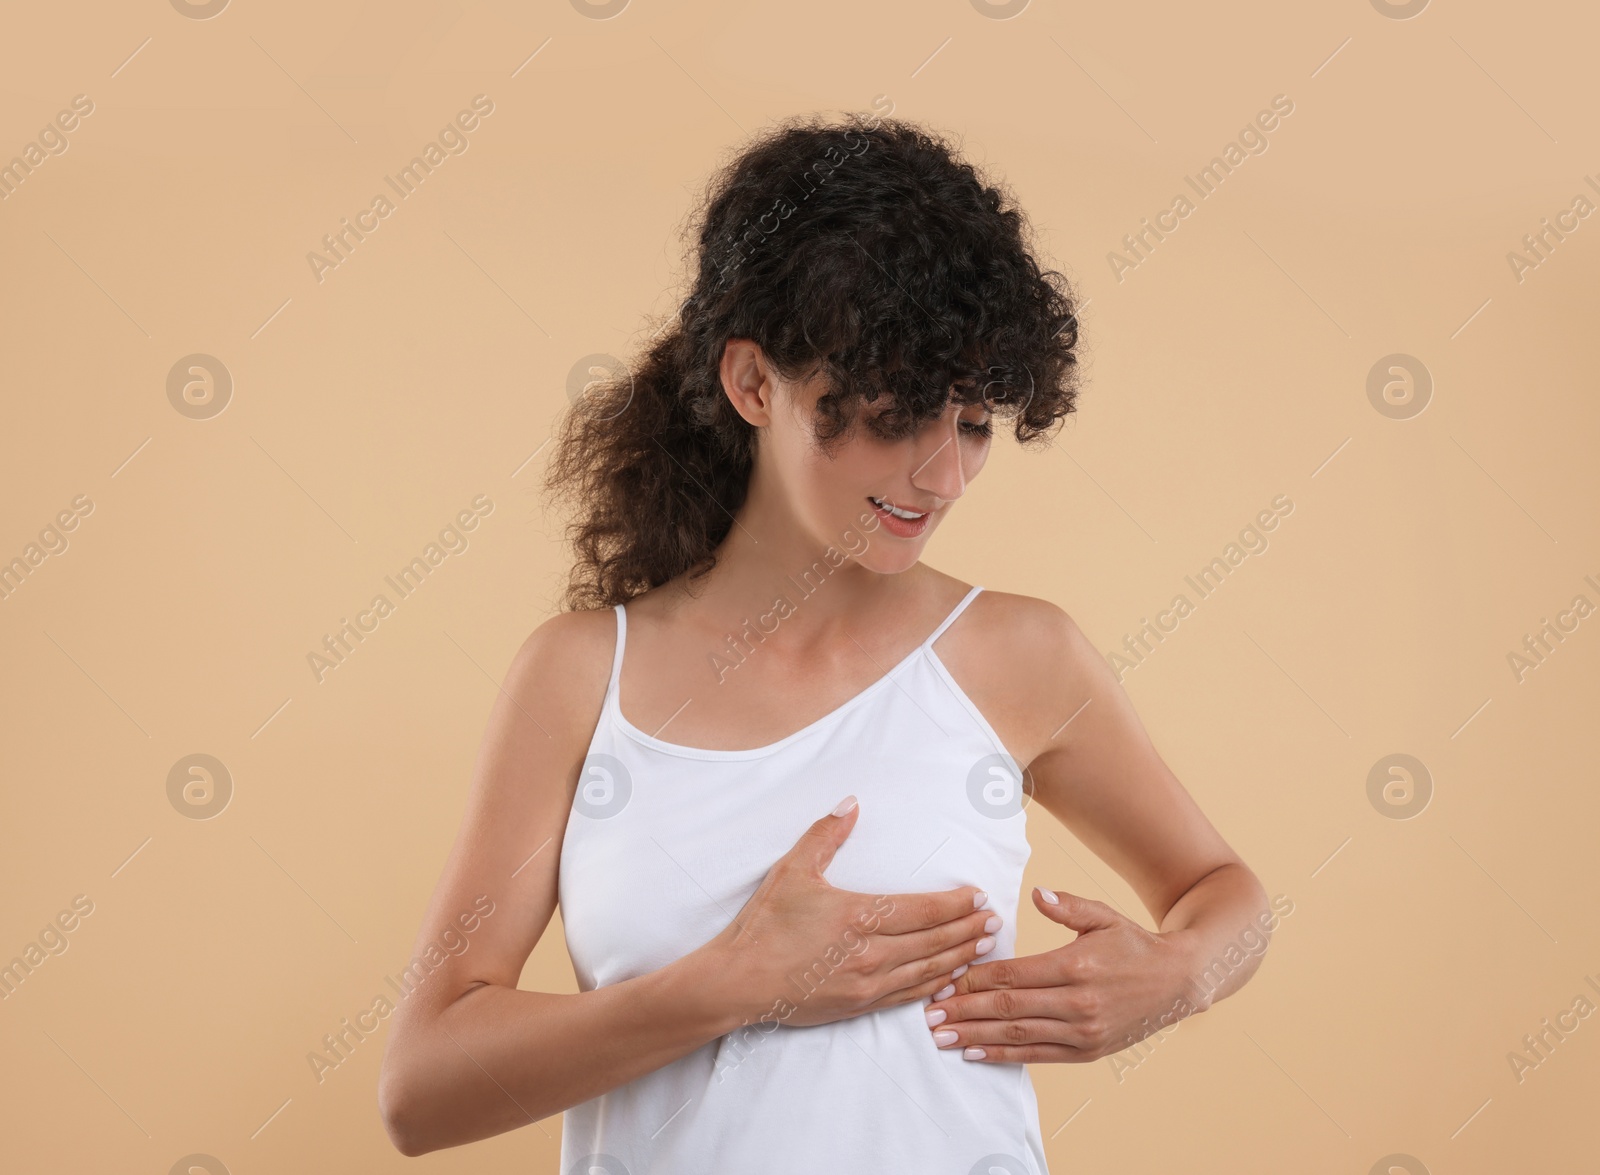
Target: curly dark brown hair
861,247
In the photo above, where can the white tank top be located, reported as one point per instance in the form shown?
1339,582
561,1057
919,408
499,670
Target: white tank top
664,845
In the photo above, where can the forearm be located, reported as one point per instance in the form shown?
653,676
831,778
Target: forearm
1225,921
498,1057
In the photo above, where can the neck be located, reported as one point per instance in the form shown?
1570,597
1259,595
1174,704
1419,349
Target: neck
810,583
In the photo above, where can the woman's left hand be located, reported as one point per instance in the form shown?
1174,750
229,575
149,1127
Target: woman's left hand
1107,989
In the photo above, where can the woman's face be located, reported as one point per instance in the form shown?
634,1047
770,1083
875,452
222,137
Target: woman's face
852,498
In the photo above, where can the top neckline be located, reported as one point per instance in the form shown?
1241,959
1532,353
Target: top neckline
614,695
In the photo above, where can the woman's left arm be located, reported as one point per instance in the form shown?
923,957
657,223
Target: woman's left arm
1100,775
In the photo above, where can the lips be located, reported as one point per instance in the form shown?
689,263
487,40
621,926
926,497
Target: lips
895,524
898,511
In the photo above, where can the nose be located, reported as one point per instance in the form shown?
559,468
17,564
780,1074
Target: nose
938,458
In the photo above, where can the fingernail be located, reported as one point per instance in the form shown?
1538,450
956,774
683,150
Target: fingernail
943,1037
1048,896
959,972
985,945
993,924
974,1054
978,899
936,1016
845,805
943,993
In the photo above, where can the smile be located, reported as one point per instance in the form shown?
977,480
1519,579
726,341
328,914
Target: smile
905,524
909,515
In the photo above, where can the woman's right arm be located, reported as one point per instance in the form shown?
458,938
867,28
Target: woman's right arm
469,1055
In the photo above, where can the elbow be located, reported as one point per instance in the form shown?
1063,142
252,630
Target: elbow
411,1092
398,1122
406,1146
397,1107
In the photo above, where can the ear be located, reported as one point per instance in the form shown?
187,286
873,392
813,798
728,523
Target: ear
749,381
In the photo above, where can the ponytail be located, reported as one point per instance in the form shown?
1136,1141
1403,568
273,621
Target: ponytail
657,462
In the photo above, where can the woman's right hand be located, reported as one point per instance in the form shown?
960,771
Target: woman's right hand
828,954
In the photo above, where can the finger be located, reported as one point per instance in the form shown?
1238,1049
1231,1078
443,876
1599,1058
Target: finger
1051,969
1012,1004
920,965
1032,1030
1074,912
819,842
966,932
913,993
1027,1053
918,911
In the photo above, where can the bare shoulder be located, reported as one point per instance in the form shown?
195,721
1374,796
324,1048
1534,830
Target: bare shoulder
1025,664
564,664
1029,632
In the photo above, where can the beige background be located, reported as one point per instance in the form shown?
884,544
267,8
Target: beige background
368,408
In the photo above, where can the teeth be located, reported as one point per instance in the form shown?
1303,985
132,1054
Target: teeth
895,510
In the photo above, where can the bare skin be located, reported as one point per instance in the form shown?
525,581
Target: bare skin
469,1055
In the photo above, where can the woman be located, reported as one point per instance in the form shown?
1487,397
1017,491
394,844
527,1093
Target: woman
771,763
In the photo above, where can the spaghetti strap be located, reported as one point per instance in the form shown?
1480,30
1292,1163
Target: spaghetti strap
616,659
950,619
